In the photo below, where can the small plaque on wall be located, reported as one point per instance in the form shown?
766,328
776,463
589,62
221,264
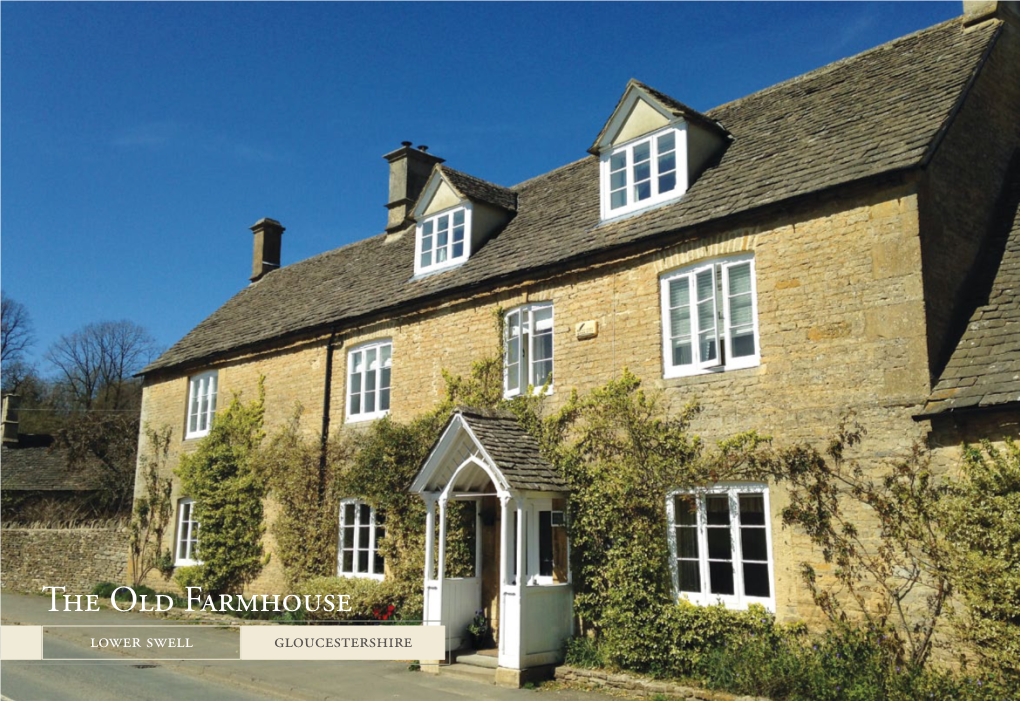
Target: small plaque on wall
587,329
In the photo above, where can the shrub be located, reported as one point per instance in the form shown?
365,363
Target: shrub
369,599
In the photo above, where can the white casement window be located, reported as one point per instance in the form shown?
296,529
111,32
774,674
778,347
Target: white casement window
528,348
368,381
201,404
187,534
720,545
443,240
644,172
362,528
710,317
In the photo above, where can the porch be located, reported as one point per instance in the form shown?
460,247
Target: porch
518,575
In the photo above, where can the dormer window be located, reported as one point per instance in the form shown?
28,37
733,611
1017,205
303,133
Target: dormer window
443,239
651,150
641,173
455,215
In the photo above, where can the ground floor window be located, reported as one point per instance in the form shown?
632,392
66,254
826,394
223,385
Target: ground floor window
187,534
362,528
721,545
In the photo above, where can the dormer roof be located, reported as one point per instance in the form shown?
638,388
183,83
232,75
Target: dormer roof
645,108
464,187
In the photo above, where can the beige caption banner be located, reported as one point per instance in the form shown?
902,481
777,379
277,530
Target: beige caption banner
347,643
21,643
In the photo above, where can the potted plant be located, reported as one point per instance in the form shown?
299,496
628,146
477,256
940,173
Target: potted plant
478,629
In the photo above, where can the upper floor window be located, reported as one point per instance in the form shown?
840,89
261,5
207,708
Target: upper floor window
721,547
201,404
443,240
187,534
362,528
368,381
641,173
710,317
528,348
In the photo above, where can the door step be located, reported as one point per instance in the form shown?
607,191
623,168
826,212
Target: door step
472,673
473,658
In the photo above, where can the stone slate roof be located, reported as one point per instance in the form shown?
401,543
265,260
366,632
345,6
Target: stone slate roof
477,189
38,467
514,451
877,112
984,370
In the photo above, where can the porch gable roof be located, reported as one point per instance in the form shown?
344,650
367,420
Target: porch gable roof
511,452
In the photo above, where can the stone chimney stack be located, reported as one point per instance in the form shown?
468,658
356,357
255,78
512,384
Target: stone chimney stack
409,170
266,256
976,12
10,420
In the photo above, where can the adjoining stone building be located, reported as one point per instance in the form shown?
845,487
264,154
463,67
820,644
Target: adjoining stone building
847,240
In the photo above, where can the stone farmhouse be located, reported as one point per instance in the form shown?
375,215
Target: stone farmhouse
848,240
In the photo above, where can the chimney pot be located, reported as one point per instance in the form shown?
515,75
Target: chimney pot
406,143
266,253
9,431
409,171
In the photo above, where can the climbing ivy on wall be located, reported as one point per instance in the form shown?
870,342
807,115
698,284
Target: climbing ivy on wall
221,478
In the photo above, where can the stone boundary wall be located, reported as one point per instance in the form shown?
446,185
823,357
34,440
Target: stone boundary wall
640,686
76,558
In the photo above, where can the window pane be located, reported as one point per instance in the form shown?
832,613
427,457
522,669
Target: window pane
618,199
182,548
687,542
458,233
427,228
720,576
346,514
666,143
740,278
756,579
362,562
355,383
642,152
369,402
442,223
347,564
545,543
617,180
690,576
643,190
513,377
752,510
363,536
718,510
380,519
364,513
680,322
458,217
379,564
349,538
384,399
667,182
442,237
543,347
543,319
543,373
618,161
682,353
740,310
440,255
719,543
385,355
355,405
743,345
458,250
752,544
685,511
426,260
679,292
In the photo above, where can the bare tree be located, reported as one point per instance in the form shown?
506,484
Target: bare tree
97,362
16,337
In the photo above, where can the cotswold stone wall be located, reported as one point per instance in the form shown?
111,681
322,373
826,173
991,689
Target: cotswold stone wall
77,558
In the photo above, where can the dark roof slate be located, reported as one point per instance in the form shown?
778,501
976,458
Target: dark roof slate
984,370
39,468
477,189
876,112
514,451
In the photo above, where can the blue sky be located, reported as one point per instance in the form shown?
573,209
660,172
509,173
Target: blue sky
140,141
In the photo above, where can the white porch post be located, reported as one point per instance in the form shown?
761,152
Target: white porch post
504,541
441,570
430,536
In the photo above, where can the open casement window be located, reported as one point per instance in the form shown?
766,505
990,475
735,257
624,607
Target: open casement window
443,240
547,546
187,534
721,546
368,381
642,173
362,528
201,404
710,317
528,348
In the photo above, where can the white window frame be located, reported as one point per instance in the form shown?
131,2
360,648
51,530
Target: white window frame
526,355
434,218
656,198
188,533
373,526
738,600
720,268
201,386
380,365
